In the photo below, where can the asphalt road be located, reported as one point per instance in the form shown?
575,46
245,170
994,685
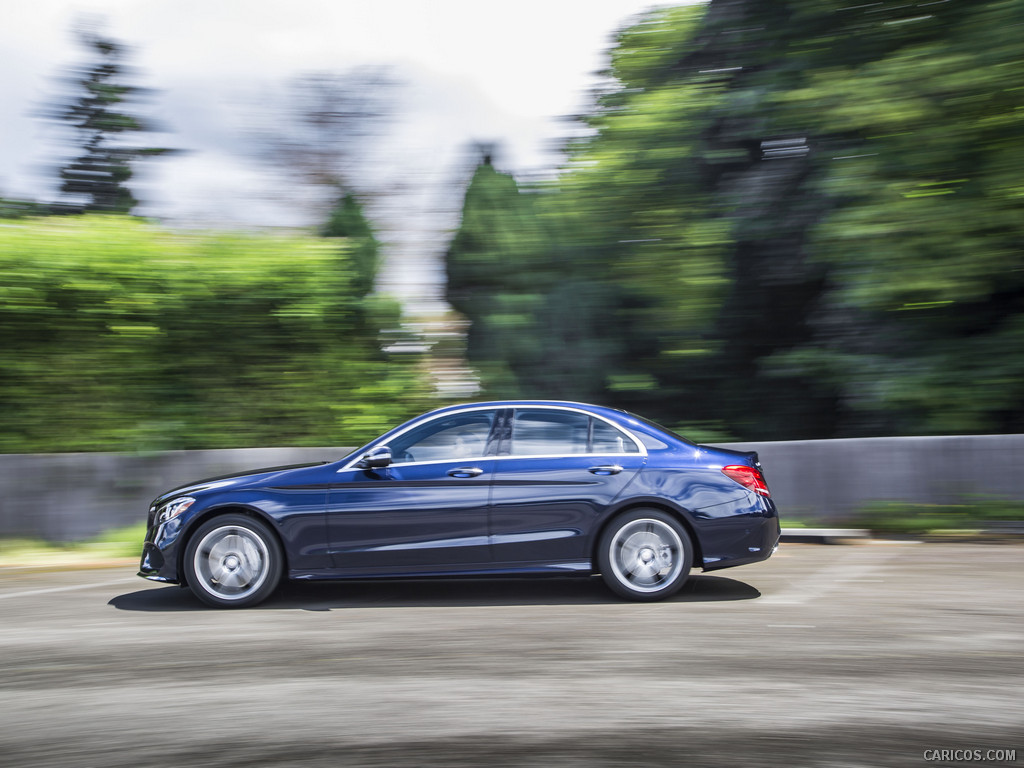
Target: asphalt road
839,656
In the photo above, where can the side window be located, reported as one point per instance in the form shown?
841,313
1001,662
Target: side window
608,439
651,443
545,432
447,438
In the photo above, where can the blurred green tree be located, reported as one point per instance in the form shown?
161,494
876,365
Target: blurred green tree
601,286
803,218
921,329
348,221
500,229
97,107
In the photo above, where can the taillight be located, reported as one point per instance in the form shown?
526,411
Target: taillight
749,477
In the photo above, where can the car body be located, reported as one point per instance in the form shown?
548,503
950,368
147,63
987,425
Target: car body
511,487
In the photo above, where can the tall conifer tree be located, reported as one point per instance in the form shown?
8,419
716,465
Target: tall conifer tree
98,109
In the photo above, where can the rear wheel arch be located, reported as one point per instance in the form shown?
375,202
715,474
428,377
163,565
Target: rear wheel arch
645,554
635,504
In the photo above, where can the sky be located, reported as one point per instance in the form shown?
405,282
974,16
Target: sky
502,73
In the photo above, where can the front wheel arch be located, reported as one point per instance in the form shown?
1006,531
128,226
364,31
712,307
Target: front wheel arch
227,509
232,560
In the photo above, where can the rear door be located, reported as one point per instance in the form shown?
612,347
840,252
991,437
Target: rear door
557,471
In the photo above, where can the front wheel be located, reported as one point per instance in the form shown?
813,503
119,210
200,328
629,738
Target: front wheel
645,554
233,561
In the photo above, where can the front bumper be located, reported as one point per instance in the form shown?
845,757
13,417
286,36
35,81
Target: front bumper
160,553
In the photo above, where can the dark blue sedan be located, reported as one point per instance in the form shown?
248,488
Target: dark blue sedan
519,487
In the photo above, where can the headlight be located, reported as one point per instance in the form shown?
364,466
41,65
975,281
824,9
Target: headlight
173,508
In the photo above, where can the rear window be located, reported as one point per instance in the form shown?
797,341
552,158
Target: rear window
652,442
608,439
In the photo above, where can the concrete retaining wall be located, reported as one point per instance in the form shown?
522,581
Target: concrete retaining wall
65,497
831,478
72,496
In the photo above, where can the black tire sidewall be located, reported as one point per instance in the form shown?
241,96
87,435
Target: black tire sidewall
604,555
274,554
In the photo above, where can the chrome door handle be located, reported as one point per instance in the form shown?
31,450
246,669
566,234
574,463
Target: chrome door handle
605,469
465,472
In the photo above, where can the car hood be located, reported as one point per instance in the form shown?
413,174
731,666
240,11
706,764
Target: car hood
232,480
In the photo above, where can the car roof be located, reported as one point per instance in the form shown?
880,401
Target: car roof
601,409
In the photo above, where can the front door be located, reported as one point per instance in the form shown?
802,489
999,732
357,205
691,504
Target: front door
427,511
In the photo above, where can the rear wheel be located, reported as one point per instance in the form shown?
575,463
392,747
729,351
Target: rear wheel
645,554
233,561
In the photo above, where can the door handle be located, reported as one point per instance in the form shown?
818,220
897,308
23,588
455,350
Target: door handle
465,472
605,469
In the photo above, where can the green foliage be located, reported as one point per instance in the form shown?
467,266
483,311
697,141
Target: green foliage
118,335
19,209
520,317
597,287
347,220
802,218
924,250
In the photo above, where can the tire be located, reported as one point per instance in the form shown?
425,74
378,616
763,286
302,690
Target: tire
645,554
233,561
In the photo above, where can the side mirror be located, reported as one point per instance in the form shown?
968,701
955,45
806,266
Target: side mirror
375,458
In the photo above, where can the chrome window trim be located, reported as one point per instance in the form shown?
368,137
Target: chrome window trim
423,420
513,407
640,446
468,460
604,454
